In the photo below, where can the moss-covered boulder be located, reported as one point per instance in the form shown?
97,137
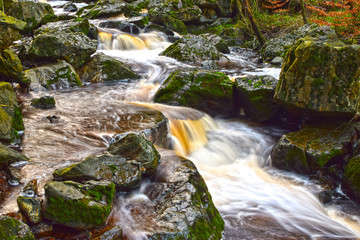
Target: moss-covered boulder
255,94
169,22
76,205
1,5
125,174
31,208
59,75
45,102
186,211
137,148
9,30
65,40
12,22
197,48
9,156
208,91
11,68
107,8
11,228
351,178
320,77
30,12
102,68
310,149
10,113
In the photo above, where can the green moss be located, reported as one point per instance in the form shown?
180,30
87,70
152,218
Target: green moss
13,229
351,178
84,210
18,123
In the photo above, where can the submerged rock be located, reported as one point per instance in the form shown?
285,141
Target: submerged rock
136,147
11,228
197,48
45,102
126,175
10,113
65,40
76,205
320,77
183,206
310,149
102,68
30,12
208,91
59,75
255,94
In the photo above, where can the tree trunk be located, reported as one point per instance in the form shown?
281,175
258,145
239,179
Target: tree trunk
303,13
252,21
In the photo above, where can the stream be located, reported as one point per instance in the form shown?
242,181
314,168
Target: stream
233,155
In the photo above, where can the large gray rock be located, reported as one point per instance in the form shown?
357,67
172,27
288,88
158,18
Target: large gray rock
136,147
76,205
11,228
102,68
320,77
30,12
208,91
311,149
125,174
183,206
59,75
63,40
255,94
197,48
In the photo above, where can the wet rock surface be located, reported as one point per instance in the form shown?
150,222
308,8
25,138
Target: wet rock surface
102,68
310,149
59,75
255,94
63,40
77,205
11,228
208,91
320,77
182,204
197,48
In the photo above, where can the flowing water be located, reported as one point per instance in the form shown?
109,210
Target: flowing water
255,200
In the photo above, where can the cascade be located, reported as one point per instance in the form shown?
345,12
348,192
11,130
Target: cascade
112,39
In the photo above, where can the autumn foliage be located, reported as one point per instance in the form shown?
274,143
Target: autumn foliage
276,5
344,15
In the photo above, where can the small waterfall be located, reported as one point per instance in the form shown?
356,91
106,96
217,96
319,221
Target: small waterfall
112,39
188,127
